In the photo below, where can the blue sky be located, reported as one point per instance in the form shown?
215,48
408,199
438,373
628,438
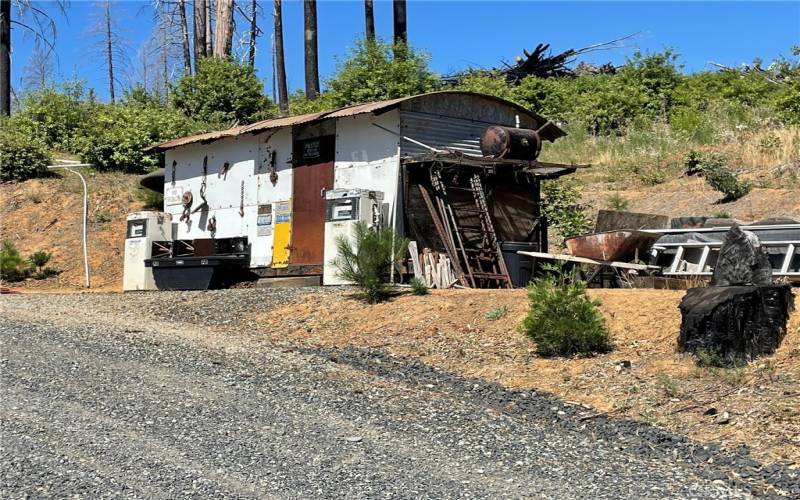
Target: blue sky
458,34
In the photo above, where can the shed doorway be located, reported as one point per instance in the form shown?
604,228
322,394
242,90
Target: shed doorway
312,175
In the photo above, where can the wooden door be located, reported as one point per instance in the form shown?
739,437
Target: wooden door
312,175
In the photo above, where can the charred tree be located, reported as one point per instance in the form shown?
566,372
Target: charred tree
187,53
253,33
400,26
369,20
109,50
280,63
200,20
311,52
223,38
209,31
5,57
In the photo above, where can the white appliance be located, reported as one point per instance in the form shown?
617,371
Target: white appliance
346,207
143,229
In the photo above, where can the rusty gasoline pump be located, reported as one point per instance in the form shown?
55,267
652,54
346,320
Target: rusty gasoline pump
511,143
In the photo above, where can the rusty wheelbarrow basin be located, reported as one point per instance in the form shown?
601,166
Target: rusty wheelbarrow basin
618,246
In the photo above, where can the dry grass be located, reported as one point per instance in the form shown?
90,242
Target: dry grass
450,330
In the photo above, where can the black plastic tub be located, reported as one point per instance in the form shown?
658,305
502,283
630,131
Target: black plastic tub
520,267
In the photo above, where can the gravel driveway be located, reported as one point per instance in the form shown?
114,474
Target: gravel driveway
118,403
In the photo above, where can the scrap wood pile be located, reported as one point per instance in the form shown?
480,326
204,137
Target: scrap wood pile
433,268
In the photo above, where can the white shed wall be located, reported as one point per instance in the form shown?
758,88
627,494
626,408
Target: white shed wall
368,157
248,174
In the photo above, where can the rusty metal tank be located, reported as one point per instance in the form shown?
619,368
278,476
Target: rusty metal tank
510,143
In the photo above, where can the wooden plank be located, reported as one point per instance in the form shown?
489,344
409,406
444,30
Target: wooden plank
442,235
572,258
412,249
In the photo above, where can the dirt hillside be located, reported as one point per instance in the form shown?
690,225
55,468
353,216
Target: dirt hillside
46,214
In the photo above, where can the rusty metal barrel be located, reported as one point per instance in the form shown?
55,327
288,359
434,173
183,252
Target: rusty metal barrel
510,143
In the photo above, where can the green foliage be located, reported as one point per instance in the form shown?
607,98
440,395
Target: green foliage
563,320
418,287
366,260
119,134
62,113
718,176
12,266
561,206
23,151
668,385
221,93
727,183
102,217
40,259
497,313
374,71
708,358
617,202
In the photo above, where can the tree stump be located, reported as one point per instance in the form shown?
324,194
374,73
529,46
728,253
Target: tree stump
735,322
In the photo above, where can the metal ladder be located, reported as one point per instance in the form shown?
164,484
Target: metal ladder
682,267
484,262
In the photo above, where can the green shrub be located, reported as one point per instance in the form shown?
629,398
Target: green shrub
102,217
709,358
497,313
374,71
563,320
617,202
561,206
40,259
63,113
367,259
727,183
718,176
23,151
121,132
12,266
418,287
222,92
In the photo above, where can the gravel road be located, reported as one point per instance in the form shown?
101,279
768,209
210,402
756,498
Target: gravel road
113,396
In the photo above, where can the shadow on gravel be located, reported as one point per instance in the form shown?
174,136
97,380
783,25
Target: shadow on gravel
735,467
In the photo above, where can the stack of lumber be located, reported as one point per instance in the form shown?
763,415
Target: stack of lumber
433,268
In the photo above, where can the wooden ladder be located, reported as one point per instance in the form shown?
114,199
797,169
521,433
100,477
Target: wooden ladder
483,262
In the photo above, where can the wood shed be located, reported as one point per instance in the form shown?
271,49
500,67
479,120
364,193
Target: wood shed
262,185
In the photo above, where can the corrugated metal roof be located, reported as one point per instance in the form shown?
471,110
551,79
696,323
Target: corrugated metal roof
371,107
284,121
203,138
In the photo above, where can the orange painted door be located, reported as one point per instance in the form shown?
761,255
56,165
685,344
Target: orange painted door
312,175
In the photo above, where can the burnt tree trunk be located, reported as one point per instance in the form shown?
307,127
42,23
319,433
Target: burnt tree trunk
253,33
280,64
400,26
199,31
209,31
311,54
109,50
734,322
223,38
187,53
369,20
5,57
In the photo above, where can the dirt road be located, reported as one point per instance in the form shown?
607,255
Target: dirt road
157,409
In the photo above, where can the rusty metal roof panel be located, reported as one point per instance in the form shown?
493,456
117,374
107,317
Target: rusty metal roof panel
284,121
203,138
